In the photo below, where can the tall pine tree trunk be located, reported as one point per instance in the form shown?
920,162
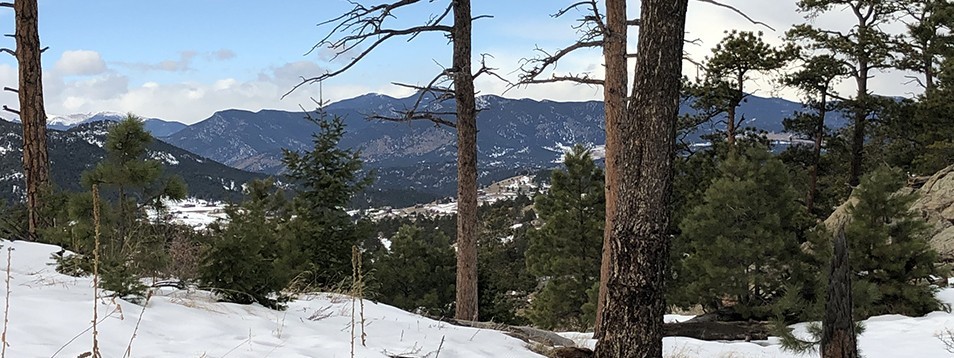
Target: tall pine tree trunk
466,307
816,152
36,164
838,327
614,100
860,119
632,319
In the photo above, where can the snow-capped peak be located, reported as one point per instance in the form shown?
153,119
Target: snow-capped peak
79,118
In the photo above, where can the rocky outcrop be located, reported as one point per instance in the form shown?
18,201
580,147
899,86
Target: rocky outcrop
935,204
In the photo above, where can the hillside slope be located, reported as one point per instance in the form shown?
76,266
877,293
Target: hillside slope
74,151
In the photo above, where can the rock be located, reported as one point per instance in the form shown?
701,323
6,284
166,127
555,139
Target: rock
570,352
839,218
935,204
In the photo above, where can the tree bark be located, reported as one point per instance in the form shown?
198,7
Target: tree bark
36,164
860,119
632,319
614,101
816,152
466,304
838,328
862,108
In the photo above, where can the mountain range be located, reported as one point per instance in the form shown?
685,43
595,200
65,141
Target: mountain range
156,126
416,159
80,147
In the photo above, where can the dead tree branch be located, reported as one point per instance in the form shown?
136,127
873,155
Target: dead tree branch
361,30
737,11
366,27
593,29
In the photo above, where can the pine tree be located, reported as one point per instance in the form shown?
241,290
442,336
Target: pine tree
565,252
36,162
865,48
815,80
417,273
244,261
889,253
733,62
136,179
927,41
130,182
916,135
326,178
504,282
742,241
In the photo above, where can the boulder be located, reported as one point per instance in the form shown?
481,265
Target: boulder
935,204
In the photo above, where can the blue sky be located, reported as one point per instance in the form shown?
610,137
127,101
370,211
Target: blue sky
183,60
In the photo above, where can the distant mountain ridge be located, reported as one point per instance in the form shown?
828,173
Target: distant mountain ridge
79,148
156,126
516,136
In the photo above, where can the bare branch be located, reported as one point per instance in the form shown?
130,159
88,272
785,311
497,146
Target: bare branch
440,93
569,78
6,4
362,25
543,63
737,11
490,71
11,110
11,89
9,51
435,117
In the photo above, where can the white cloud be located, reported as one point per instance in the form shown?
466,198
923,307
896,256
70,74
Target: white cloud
189,102
81,81
222,54
181,64
80,63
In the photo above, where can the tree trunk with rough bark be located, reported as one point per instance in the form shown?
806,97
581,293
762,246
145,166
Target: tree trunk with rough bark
632,319
816,152
36,164
838,328
466,304
614,100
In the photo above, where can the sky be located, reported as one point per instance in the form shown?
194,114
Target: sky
183,60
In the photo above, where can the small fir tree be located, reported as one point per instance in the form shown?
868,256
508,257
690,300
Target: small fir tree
326,179
565,252
889,252
243,263
504,284
742,243
417,273
129,183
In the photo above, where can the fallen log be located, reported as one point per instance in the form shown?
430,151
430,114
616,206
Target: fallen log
703,330
719,331
524,333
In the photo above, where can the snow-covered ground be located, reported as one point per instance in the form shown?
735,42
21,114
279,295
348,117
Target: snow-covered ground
50,316
506,189
193,212
888,336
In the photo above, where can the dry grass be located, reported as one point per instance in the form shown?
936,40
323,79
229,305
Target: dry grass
6,307
95,352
